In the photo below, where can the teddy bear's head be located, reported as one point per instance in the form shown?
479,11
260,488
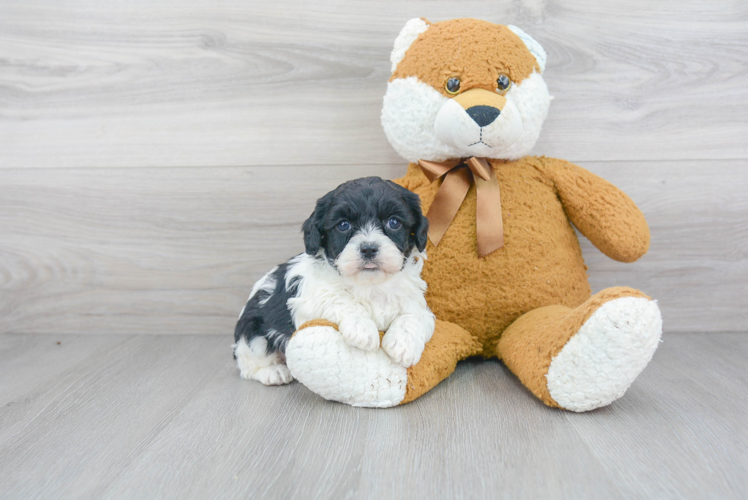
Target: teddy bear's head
464,88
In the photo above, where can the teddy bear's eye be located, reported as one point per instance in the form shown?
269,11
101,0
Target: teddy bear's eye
503,83
453,85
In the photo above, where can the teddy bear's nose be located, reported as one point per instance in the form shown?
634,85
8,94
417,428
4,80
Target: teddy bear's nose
483,115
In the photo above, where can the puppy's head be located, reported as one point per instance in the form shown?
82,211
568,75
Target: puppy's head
463,88
366,228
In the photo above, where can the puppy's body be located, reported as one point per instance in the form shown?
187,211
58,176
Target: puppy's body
361,270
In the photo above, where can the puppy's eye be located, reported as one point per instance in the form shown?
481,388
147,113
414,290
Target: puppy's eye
452,86
343,225
394,223
503,83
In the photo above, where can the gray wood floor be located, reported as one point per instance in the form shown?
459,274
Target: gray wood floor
127,416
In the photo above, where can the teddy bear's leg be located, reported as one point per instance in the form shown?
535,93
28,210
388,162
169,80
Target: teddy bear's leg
584,358
319,357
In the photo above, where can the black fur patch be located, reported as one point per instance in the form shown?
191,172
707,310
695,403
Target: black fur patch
267,311
365,201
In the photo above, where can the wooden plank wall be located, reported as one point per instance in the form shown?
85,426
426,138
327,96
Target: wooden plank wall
157,157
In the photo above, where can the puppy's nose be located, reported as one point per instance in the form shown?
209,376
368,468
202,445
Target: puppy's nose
483,115
369,250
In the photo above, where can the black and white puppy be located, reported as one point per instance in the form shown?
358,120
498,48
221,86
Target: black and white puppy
361,270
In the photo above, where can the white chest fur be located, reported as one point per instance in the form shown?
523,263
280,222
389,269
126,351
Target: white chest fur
324,294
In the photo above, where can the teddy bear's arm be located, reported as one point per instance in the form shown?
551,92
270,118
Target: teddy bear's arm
601,211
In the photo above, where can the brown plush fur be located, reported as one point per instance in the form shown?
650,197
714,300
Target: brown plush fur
475,50
540,264
315,322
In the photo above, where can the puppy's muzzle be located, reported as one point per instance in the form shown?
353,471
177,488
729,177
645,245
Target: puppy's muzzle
481,105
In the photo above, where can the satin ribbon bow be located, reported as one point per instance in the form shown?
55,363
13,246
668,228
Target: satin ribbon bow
458,175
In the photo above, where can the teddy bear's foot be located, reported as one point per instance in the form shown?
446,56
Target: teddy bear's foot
611,349
584,358
321,359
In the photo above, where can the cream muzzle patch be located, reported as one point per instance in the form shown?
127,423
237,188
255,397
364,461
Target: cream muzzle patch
481,126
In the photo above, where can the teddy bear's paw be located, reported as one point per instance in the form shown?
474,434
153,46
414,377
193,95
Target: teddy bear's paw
328,365
360,332
603,358
402,346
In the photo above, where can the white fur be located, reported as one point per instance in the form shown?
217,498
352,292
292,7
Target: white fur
255,364
411,108
266,283
407,336
611,349
408,114
323,361
360,331
405,39
454,126
363,307
532,45
322,294
352,266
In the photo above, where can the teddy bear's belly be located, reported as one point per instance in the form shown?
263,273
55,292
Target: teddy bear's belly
540,263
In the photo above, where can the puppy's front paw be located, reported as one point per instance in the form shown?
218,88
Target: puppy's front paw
361,332
402,347
273,375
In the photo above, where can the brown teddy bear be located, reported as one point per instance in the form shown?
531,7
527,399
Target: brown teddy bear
505,272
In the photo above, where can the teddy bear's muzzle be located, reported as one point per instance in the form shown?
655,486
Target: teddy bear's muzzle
479,130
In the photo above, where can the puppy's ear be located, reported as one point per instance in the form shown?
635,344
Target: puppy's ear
420,229
313,237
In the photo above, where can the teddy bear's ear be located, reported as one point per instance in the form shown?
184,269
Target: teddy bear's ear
532,45
407,36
